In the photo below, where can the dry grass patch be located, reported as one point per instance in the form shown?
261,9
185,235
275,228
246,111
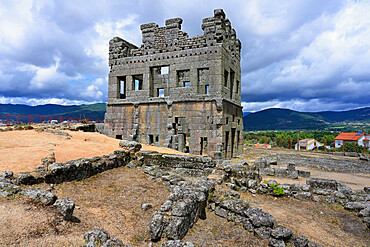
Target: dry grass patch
218,232
24,223
326,224
110,200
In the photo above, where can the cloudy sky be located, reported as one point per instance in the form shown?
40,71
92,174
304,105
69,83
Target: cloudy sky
305,55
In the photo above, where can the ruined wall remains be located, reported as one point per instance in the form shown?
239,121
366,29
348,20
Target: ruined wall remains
178,92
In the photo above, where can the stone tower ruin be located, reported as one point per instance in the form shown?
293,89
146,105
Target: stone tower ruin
178,92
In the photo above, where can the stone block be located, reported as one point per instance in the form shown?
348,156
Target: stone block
304,174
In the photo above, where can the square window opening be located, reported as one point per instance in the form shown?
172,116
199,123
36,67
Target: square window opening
226,78
151,139
164,70
186,83
138,82
122,87
207,89
160,92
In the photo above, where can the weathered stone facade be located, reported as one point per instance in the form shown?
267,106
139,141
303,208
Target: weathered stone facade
178,92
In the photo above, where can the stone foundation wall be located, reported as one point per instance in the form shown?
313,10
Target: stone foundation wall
326,163
196,127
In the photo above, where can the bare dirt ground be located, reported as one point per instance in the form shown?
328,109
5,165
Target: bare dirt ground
23,150
355,180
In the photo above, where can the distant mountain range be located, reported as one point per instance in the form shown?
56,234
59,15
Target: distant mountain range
285,119
93,111
270,119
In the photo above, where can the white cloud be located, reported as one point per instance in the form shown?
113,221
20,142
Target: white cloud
331,68
295,53
313,105
37,101
107,30
93,91
48,78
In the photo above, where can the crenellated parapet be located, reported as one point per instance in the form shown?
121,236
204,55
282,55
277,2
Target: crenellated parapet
119,48
217,31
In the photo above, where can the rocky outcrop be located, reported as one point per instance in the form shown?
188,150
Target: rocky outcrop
8,189
66,207
146,206
46,198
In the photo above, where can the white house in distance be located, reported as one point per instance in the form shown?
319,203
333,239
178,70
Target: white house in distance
307,144
360,138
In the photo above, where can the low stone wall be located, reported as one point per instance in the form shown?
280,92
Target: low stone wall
79,169
75,169
315,189
326,163
255,220
188,166
185,205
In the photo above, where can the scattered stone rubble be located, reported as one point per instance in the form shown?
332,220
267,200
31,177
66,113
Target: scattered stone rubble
57,132
100,237
54,128
18,127
8,189
189,198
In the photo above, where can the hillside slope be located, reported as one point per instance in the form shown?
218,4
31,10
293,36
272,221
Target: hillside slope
93,111
284,119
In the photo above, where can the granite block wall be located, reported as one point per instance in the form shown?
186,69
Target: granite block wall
178,92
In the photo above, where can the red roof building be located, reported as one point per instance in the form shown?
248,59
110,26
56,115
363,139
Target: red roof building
360,138
345,136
